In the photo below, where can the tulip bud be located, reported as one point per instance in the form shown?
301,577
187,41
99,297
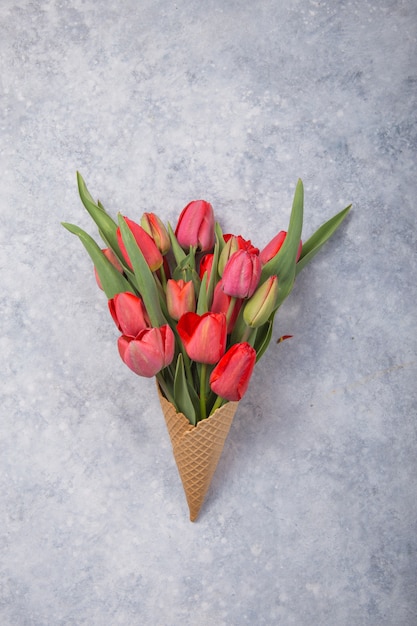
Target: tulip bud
109,254
156,229
241,274
229,249
230,378
152,255
274,246
180,297
196,226
203,336
129,313
263,302
149,352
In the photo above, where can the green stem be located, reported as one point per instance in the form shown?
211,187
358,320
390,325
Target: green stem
217,404
230,309
163,277
203,377
249,335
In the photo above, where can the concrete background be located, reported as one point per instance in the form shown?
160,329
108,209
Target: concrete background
311,516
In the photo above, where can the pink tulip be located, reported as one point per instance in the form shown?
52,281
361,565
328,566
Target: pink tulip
196,226
221,304
128,313
203,336
274,246
156,229
109,254
149,352
145,242
241,274
180,297
230,378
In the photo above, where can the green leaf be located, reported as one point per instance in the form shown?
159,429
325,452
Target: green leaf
219,236
213,274
185,270
112,281
284,262
181,392
316,241
178,252
202,306
106,225
263,337
144,277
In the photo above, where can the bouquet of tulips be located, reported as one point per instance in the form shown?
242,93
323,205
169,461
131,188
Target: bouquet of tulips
195,308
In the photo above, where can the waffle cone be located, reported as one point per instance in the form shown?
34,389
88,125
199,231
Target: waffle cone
197,449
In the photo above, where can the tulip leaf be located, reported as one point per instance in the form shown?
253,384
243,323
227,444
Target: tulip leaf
178,252
219,237
319,238
202,305
106,225
215,264
111,279
144,277
181,392
283,263
263,337
185,270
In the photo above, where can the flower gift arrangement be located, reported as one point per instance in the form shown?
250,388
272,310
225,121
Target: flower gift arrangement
195,308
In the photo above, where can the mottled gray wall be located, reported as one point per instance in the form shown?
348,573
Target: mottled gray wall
311,517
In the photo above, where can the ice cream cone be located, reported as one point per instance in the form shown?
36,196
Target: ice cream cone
197,449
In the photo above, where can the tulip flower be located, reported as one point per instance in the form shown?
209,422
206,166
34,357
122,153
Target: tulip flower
196,226
156,229
221,304
241,274
129,313
146,244
206,265
263,302
180,297
203,336
242,244
109,254
274,246
149,352
230,378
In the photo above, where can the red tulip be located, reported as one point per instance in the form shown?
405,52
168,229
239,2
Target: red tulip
196,226
203,336
233,244
242,244
109,254
274,246
145,242
156,229
128,313
206,265
180,297
221,304
230,378
241,274
149,352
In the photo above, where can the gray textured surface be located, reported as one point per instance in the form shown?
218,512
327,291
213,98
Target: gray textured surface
311,518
